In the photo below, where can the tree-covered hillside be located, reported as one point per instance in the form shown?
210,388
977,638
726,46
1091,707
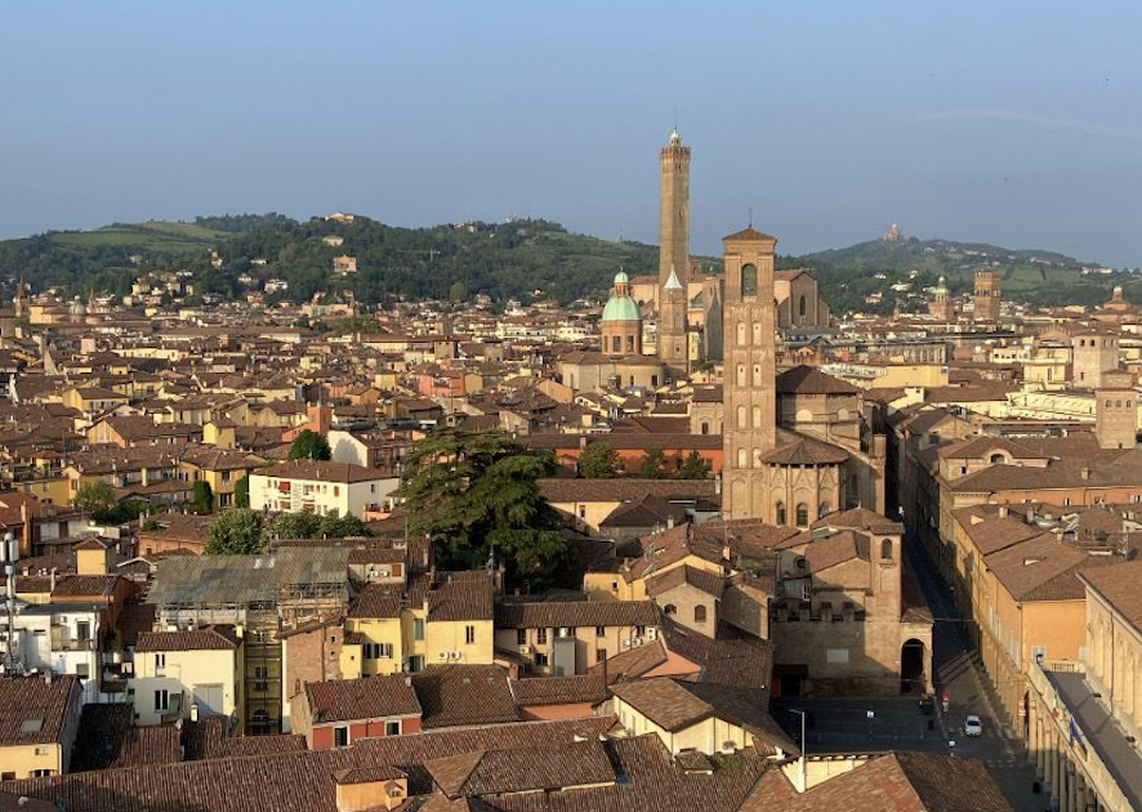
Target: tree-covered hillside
504,261
849,276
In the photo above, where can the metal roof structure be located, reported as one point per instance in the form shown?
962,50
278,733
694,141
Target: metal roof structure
228,580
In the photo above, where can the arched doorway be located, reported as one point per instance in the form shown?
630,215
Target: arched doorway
913,670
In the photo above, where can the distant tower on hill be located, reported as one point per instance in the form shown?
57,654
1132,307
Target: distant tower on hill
1116,410
622,322
942,306
987,296
674,256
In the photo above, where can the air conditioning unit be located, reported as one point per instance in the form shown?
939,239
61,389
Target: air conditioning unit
525,650
444,655
454,655
383,573
628,643
652,634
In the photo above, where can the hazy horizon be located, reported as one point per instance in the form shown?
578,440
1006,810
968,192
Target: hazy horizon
970,122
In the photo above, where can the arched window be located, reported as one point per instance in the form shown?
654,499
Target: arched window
802,515
741,374
705,429
757,417
616,344
670,609
741,416
741,458
886,550
801,307
1118,404
757,375
757,458
700,613
779,513
757,333
824,510
749,280
741,333
998,459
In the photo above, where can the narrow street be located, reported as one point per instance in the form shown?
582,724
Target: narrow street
959,671
897,723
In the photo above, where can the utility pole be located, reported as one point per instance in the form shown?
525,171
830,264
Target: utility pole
9,553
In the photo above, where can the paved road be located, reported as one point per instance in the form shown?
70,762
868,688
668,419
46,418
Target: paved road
897,723
958,669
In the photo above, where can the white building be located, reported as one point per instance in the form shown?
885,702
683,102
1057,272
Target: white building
319,487
176,671
61,638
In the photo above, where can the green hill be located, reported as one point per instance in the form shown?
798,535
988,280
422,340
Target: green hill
848,276
503,260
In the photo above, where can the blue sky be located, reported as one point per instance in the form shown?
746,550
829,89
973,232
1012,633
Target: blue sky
1016,123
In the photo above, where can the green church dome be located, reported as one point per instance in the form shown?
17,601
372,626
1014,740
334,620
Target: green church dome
621,308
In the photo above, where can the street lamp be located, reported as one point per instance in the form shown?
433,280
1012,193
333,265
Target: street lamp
804,751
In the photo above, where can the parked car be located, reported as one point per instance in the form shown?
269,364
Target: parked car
973,726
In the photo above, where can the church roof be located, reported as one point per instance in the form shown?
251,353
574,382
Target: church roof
621,308
749,234
806,451
807,380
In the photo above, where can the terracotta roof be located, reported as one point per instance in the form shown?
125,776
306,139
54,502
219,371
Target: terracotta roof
556,614
85,585
625,489
807,380
749,234
378,697
551,767
377,601
1118,585
323,471
711,583
108,738
296,781
34,710
675,705
208,638
634,662
905,782
461,695
805,451
582,688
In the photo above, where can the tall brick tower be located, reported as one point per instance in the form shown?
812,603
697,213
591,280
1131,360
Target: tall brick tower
749,427
987,296
1116,410
674,255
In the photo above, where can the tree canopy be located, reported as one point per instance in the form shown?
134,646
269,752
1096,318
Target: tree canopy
235,532
203,497
476,497
693,467
306,525
309,445
598,461
652,464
